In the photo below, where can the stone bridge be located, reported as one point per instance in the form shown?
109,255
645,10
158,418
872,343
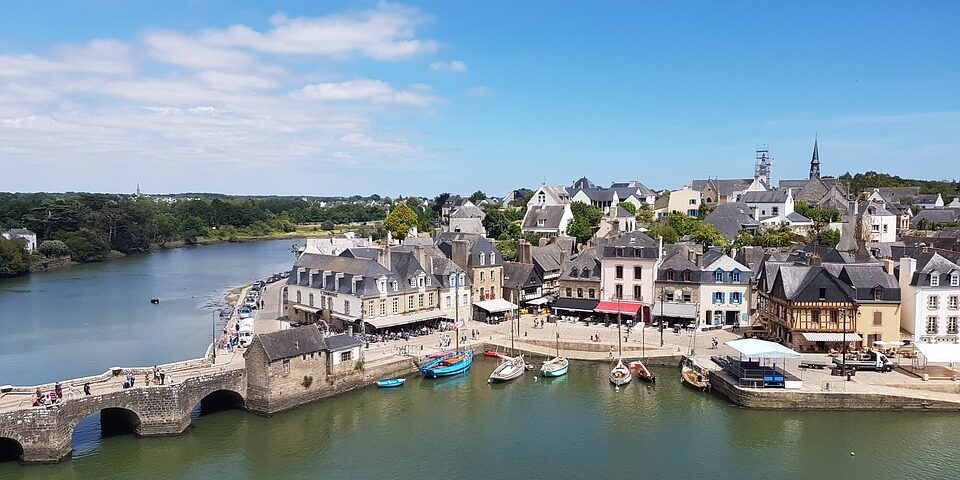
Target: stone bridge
43,434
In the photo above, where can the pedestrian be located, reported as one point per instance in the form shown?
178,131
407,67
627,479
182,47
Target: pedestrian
71,392
54,398
86,388
59,389
39,395
610,354
130,379
163,380
715,342
146,379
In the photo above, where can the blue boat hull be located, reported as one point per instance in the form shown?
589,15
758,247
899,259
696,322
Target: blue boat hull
392,383
433,369
555,373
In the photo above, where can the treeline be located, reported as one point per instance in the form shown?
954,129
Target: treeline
91,225
862,182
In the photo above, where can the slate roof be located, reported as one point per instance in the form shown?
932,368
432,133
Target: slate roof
724,187
548,257
794,184
291,342
928,263
678,262
19,231
588,259
795,217
476,244
633,239
621,212
517,276
594,194
874,208
730,218
926,199
350,267
468,211
362,252
336,343
802,283
773,196
895,194
436,264
633,187
552,215
935,216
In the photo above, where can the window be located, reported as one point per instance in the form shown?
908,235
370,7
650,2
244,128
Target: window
453,280
396,305
952,301
718,297
693,201
592,293
735,276
430,299
382,286
618,252
569,292
775,210
718,276
286,367
692,212
579,293
668,296
371,309
413,282
541,197
420,301
669,274
886,228
933,302
396,286
636,292
618,291
448,302
877,319
299,297
932,325
877,293
637,273
481,276
483,257
687,275
541,222
834,316
717,318
428,281
823,294
310,299
493,258
815,316
346,307
955,279
410,302
934,279
464,299
383,307
687,297
952,325
345,356
493,276
619,271
736,297
585,272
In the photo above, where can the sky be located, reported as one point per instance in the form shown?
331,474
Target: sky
343,98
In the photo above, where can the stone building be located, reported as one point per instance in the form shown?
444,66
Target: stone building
579,284
479,258
628,269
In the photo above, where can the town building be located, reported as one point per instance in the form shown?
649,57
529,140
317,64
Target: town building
732,218
930,284
628,269
479,258
29,238
467,218
579,284
724,291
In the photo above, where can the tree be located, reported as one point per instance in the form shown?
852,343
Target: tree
829,238
53,248
682,224
86,246
439,201
585,219
477,197
644,215
708,236
628,207
328,225
400,220
14,258
666,231
705,209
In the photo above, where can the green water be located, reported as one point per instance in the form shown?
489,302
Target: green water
571,427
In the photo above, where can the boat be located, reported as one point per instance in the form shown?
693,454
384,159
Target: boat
509,369
694,378
452,364
641,370
620,374
155,301
391,383
555,368
492,353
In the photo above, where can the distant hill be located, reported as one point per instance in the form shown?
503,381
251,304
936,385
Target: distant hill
865,181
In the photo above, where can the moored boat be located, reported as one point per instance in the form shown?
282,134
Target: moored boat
510,368
555,367
641,370
391,382
694,377
456,362
620,374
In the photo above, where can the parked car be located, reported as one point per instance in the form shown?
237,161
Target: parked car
867,361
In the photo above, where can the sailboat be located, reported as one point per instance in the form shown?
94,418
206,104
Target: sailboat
557,366
619,374
450,363
510,367
694,377
637,365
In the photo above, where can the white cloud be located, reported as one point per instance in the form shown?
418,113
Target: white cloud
96,56
457,66
374,90
179,49
479,91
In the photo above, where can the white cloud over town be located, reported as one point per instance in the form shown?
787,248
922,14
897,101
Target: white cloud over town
233,96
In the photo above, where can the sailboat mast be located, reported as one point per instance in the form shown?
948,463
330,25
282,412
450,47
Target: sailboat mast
619,334
513,351
456,303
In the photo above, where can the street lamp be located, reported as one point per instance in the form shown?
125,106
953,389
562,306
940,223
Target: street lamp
213,326
661,316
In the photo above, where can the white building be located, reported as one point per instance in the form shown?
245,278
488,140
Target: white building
878,224
23,234
930,286
724,292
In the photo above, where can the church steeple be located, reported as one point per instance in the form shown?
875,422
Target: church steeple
815,161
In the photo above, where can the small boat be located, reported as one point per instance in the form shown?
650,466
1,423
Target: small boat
155,300
492,353
391,383
510,368
694,378
641,370
555,368
456,362
620,374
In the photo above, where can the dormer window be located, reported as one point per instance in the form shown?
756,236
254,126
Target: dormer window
493,258
428,281
718,276
878,293
463,279
542,198
955,279
420,281
382,286
483,258
412,282
669,274
396,286
541,222
687,275
735,276
453,279
618,252
585,272
934,279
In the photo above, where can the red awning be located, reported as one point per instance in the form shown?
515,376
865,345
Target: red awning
626,308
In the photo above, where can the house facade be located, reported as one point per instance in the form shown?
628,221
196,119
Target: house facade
579,284
930,286
479,258
27,236
628,268
725,293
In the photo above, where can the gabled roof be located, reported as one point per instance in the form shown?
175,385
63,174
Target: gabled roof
794,184
548,257
518,276
476,244
936,216
588,259
773,196
725,187
633,239
468,211
552,216
803,283
291,342
727,264
730,218
362,252
336,343
620,212
895,194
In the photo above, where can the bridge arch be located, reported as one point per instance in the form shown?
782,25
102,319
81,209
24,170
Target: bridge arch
219,400
114,420
10,449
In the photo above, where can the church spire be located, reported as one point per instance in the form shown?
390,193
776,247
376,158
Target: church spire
815,161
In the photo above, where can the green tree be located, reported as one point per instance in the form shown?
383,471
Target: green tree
53,248
585,220
477,197
662,230
328,225
191,228
14,258
628,207
682,224
644,215
400,220
828,237
708,236
86,245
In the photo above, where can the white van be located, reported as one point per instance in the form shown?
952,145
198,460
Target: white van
245,333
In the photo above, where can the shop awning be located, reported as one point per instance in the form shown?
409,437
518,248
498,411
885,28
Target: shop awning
345,318
537,301
831,337
626,308
495,306
754,348
394,320
585,305
939,352
305,308
674,310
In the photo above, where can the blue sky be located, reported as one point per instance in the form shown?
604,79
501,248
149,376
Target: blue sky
329,98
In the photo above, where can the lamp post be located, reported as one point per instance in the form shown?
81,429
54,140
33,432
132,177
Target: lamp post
213,325
661,316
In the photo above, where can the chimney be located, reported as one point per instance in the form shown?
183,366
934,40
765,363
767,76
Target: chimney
615,226
888,265
384,257
815,259
459,253
421,257
524,252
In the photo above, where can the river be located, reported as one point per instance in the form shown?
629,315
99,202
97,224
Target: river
84,319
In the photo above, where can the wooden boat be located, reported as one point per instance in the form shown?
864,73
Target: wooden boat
391,383
694,378
456,362
641,370
510,368
620,374
555,368
492,353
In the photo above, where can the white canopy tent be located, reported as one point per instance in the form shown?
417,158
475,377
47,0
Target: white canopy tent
761,367
495,306
939,352
755,348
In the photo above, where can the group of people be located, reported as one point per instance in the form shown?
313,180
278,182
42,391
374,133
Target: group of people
56,395
595,337
538,322
444,340
159,377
